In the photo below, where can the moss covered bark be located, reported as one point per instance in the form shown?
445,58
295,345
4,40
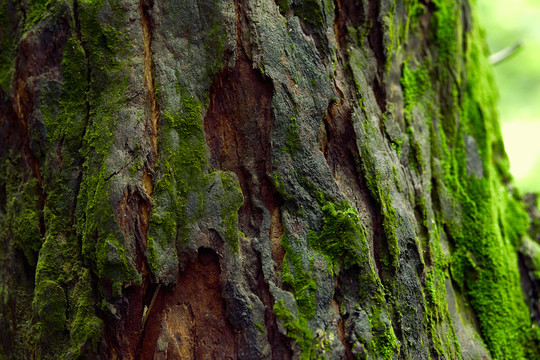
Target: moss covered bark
337,166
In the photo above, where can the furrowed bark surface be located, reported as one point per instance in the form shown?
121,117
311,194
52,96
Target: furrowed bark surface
258,179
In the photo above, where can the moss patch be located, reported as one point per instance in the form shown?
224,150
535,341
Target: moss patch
8,44
380,192
80,117
182,159
297,330
183,175
342,238
310,11
23,220
484,240
301,282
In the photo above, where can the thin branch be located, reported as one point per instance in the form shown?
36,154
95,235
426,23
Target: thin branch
505,53
146,311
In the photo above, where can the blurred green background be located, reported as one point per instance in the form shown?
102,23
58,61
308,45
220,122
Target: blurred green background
518,79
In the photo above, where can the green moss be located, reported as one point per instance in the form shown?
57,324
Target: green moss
445,24
485,266
292,140
383,198
342,241
484,240
385,345
398,31
422,207
215,47
230,205
35,11
134,168
279,184
23,220
80,118
514,220
86,328
182,173
283,6
50,306
396,145
8,45
396,179
112,263
310,11
416,158
342,238
299,281
181,162
297,330
261,327
435,299
77,330
93,93
189,127
182,159
415,83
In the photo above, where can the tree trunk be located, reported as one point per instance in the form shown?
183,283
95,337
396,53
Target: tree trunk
256,179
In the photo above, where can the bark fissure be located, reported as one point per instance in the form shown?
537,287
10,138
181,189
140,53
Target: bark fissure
136,204
341,138
86,99
21,92
145,7
375,37
276,339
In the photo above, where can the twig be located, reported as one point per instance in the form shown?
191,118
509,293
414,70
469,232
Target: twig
504,53
146,311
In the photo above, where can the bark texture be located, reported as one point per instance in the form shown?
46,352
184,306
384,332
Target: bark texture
256,179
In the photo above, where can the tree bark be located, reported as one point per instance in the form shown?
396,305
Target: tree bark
255,179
